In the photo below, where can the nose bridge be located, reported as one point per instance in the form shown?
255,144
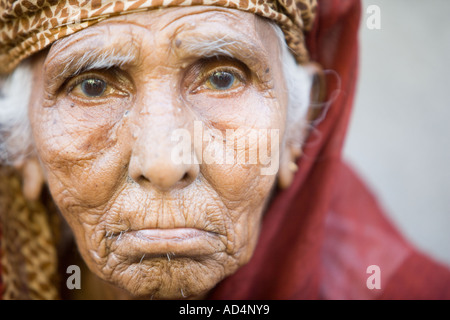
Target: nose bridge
155,134
159,97
160,114
151,161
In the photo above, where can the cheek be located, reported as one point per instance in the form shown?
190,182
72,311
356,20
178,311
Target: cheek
238,185
241,139
83,150
240,181
251,108
239,157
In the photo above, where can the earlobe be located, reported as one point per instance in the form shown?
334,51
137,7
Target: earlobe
32,178
288,166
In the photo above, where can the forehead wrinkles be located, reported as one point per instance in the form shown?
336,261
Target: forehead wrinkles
210,14
183,30
98,37
160,20
215,26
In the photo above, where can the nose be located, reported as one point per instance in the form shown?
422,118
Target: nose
152,161
161,173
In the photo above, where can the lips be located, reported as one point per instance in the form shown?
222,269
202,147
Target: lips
177,242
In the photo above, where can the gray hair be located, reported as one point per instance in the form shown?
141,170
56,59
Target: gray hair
16,141
15,132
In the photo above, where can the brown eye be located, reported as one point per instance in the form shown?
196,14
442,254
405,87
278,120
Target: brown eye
93,87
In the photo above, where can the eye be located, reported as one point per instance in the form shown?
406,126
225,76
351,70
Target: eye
221,80
219,77
93,87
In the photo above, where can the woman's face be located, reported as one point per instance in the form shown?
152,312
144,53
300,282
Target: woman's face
130,120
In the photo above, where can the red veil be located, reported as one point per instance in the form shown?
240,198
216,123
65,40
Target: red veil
319,236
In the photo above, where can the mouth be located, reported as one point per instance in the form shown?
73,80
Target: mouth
170,243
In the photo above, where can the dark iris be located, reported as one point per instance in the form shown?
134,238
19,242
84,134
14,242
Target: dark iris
93,87
221,80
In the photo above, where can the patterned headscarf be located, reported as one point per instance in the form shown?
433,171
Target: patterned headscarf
27,26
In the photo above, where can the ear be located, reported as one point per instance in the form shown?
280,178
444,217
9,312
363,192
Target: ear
32,178
288,165
297,132
318,91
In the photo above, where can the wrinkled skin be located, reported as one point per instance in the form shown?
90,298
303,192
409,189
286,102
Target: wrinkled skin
107,159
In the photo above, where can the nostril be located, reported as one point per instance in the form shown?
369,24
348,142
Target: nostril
185,180
165,179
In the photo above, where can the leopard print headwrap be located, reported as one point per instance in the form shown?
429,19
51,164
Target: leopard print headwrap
27,26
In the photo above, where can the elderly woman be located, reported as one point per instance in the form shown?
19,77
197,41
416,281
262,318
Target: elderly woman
179,143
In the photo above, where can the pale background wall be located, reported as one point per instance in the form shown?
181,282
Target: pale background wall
399,137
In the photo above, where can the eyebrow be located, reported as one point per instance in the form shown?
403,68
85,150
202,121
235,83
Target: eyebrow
210,46
95,59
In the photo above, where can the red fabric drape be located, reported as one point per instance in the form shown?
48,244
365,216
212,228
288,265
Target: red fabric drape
319,236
